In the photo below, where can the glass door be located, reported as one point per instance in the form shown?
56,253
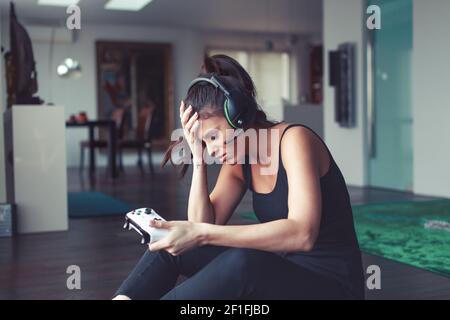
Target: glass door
389,97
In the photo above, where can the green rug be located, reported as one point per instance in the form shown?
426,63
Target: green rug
95,204
413,232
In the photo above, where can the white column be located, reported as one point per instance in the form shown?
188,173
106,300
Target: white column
36,169
430,97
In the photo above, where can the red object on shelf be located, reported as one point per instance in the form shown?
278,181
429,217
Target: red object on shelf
82,117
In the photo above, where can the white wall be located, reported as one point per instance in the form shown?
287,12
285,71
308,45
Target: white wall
343,22
431,97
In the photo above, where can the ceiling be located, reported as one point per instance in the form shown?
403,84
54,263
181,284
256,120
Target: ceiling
270,16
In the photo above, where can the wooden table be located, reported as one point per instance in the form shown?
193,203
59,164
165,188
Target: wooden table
112,143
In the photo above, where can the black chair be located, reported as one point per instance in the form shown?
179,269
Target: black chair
142,140
119,117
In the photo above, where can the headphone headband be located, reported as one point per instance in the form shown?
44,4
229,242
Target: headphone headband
212,80
237,106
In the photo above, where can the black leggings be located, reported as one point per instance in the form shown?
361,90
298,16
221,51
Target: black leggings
226,273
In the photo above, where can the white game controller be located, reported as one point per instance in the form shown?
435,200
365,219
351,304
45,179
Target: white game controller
139,220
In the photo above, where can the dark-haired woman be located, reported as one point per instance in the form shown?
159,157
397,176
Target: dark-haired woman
304,246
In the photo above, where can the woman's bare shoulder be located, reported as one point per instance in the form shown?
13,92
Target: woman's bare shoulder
291,134
306,142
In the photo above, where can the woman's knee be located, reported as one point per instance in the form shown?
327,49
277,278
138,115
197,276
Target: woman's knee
243,254
242,261
230,275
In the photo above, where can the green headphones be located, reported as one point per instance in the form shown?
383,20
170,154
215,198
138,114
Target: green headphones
239,108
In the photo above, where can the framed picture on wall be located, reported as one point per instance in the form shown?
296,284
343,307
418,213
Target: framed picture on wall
134,76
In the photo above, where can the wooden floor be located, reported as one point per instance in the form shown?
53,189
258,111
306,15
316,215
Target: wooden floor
34,266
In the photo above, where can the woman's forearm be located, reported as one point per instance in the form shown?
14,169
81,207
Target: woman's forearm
200,208
283,235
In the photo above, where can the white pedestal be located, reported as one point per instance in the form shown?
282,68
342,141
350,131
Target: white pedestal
35,147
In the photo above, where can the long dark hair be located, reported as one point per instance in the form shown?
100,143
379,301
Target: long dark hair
208,101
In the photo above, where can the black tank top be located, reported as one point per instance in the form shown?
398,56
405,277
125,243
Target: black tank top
336,252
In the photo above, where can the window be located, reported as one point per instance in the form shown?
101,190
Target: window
270,73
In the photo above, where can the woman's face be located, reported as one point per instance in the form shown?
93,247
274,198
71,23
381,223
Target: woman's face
220,139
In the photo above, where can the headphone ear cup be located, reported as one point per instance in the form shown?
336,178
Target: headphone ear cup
239,110
231,113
